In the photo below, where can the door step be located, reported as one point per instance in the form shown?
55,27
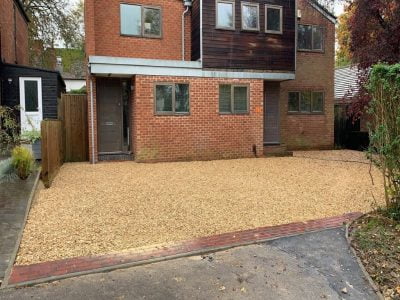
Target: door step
116,157
277,151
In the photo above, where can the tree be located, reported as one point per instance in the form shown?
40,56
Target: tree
53,21
384,151
343,54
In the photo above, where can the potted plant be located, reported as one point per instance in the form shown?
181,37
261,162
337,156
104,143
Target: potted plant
31,139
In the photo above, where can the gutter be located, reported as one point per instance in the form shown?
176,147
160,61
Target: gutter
92,118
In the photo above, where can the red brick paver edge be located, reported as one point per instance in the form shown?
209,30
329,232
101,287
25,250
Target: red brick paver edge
83,265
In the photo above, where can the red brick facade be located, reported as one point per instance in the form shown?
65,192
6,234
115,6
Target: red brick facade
102,20
204,133
13,34
315,72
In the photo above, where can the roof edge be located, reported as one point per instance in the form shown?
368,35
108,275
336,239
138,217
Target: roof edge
326,13
22,10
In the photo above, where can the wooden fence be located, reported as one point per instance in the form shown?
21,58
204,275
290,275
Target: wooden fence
65,139
52,150
72,110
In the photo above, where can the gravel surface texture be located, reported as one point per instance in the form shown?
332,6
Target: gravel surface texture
98,209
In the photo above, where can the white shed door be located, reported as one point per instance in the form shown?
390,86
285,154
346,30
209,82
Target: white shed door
30,93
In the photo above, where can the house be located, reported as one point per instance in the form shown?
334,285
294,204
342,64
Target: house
33,91
173,80
349,133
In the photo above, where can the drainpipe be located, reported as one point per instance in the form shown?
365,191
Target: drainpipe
92,117
187,4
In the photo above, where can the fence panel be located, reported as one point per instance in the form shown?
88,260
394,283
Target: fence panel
73,112
52,152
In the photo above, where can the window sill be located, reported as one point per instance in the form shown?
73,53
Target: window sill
251,30
274,32
141,36
306,113
234,114
311,51
171,114
223,28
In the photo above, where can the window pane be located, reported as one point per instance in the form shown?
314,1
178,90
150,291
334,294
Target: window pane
225,15
182,98
164,98
131,19
240,99
250,17
294,103
305,102
225,98
317,38
273,19
318,102
152,21
31,96
305,37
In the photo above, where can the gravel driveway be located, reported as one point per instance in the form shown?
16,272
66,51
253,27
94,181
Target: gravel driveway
97,209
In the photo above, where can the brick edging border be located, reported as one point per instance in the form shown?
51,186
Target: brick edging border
55,270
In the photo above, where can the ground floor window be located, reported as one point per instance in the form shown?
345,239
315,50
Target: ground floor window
233,99
171,98
306,102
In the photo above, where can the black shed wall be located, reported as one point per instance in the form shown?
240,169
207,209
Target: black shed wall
52,87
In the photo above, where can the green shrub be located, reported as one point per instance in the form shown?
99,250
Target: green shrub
9,129
384,150
31,136
7,172
23,162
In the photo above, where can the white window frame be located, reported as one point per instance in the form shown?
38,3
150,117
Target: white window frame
242,4
280,22
25,115
232,2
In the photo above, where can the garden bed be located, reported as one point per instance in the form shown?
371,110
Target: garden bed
376,240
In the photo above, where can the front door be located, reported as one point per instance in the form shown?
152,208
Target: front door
109,115
271,113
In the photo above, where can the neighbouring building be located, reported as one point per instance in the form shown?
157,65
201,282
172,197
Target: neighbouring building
176,80
349,133
31,91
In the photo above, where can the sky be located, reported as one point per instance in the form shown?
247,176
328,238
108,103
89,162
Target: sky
338,9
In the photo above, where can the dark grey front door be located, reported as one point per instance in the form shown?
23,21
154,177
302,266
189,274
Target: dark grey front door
271,113
109,115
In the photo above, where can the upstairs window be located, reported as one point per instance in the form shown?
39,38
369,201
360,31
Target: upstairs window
171,99
273,19
310,38
306,102
250,16
225,14
233,99
137,20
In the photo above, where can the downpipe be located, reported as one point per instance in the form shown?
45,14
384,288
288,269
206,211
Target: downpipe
183,31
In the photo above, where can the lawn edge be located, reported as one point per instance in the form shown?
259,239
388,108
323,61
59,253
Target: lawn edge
22,276
8,272
361,265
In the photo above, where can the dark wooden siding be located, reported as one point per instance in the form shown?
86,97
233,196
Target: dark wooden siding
249,50
52,87
196,30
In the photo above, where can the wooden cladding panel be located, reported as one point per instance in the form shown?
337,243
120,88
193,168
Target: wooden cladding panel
240,49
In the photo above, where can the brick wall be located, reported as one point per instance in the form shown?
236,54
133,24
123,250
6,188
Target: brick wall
315,71
102,20
204,134
11,53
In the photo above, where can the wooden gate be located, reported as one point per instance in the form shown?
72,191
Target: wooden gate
72,111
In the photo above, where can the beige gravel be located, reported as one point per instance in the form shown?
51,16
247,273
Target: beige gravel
117,206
